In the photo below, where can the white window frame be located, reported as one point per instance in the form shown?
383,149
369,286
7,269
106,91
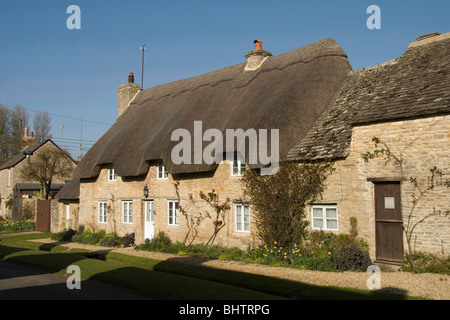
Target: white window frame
162,173
102,212
324,217
127,212
112,176
173,213
239,217
240,165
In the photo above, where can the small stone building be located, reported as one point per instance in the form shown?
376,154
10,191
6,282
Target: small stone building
14,188
406,104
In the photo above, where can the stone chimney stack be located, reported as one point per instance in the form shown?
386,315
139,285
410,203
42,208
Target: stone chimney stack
255,58
126,93
27,140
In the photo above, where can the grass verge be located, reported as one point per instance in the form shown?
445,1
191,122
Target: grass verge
171,280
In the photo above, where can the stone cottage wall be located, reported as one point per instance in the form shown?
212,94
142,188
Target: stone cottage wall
161,192
423,144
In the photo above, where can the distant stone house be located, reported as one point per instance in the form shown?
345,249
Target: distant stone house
14,190
406,103
323,110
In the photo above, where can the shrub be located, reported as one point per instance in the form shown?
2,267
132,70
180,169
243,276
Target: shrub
279,200
160,243
102,238
351,258
127,240
427,263
64,235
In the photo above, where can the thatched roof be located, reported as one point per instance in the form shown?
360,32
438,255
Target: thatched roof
289,92
415,85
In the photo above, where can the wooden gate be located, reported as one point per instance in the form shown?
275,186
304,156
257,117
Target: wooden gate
388,222
43,215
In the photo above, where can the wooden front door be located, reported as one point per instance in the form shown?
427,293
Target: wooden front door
388,222
43,215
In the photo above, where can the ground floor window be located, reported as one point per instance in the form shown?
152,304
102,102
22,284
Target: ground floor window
324,217
127,209
173,213
102,212
242,218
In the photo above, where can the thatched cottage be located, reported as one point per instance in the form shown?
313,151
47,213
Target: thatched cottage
128,181
287,92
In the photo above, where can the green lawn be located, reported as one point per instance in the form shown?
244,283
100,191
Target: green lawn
167,279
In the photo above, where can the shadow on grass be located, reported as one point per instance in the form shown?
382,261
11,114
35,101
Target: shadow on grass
176,279
274,286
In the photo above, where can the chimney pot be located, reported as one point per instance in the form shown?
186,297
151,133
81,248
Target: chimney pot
255,58
258,44
27,140
126,93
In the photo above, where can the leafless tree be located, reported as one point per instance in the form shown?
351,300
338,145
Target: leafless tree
19,121
47,165
42,127
5,118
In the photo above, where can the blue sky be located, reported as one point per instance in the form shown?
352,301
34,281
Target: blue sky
74,74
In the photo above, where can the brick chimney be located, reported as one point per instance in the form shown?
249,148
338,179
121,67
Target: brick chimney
27,140
126,93
255,58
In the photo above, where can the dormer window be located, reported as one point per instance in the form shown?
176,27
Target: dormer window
162,171
238,165
112,176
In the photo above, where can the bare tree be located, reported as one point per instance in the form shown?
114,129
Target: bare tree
19,121
46,166
5,119
42,127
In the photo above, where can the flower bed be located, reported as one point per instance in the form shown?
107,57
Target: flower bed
7,225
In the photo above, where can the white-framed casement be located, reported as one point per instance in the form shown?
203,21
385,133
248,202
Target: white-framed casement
162,174
127,211
173,213
242,217
324,217
102,212
238,165
112,176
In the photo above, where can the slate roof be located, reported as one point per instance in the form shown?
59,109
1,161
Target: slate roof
14,160
414,85
37,186
70,191
289,92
